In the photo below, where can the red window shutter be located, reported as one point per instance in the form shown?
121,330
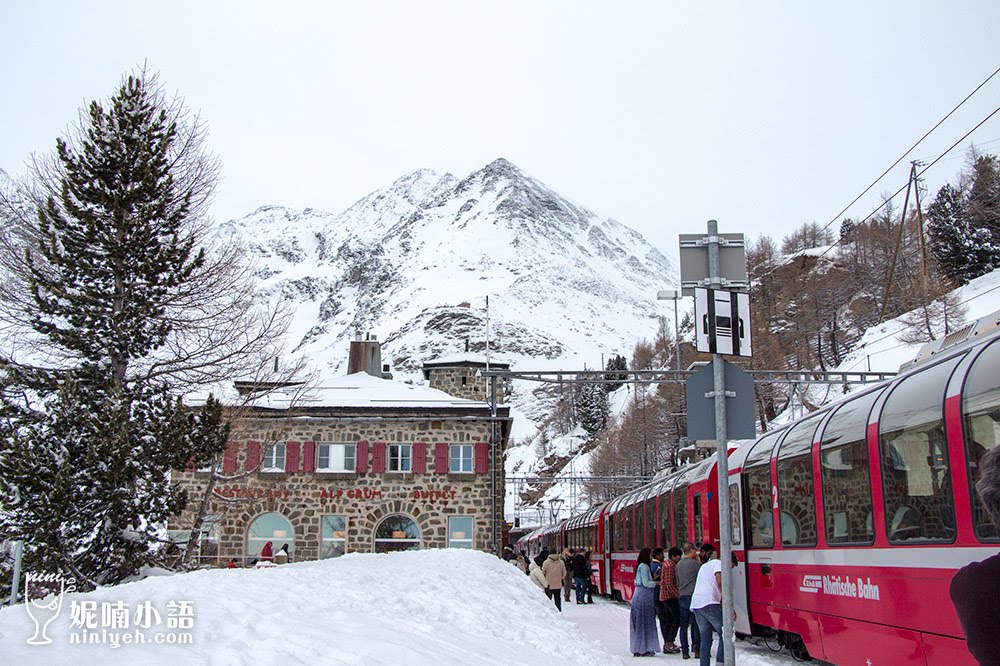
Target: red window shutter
291,456
253,455
420,457
309,457
378,457
192,465
362,457
482,458
441,458
229,458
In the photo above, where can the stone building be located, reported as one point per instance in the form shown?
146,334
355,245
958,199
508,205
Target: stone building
359,464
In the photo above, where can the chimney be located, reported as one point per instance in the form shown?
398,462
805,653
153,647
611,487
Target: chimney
365,356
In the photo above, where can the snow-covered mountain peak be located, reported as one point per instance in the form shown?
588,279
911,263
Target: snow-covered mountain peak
413,263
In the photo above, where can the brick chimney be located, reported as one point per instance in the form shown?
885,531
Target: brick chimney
365,356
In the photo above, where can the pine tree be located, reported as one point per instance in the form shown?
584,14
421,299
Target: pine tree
963,251
89,439
617,373
592,407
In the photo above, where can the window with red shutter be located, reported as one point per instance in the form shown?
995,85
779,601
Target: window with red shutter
253,455
362,461
419,457
378,457
229,458
441,458
309,457
482,458
292,457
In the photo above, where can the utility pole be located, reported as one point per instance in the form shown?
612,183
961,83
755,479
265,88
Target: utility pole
899,241
722,462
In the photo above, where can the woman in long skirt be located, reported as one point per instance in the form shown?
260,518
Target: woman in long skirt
644,640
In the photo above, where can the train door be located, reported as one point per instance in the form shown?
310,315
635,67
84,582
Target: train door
698,534
609,547
739,574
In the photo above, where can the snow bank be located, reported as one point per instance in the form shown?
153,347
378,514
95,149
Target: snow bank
421,607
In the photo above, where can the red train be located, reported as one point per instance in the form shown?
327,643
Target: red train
848,524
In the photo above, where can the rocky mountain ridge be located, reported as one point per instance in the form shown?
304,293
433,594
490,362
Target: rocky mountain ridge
415,262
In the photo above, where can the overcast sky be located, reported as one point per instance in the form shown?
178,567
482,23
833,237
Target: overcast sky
763,115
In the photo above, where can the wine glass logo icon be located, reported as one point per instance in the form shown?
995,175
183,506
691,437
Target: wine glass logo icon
43,598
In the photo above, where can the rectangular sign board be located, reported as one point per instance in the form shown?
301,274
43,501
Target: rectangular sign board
694,261
722,322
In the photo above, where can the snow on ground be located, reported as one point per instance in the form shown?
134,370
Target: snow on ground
880,348
429,607
607,622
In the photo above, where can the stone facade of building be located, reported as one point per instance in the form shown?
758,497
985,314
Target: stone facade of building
271,469
458,378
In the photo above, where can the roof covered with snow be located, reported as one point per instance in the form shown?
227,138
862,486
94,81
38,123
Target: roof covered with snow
361,390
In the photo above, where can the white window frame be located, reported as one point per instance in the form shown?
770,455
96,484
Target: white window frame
462,458
343,468
273,459
333,540
467,542
395,458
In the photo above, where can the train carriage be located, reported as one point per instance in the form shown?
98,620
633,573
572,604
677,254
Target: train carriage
848,524
584,531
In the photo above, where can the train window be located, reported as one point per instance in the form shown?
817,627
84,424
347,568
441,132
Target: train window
981,412
846,480
761,452
651,522
796,492
680,514
919,505
734,513
620,529
758,492
757,489
666,535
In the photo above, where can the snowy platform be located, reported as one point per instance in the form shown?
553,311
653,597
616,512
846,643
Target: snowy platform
426,607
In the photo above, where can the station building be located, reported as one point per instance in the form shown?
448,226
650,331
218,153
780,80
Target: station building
361,463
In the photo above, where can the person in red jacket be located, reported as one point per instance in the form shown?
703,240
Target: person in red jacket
265,553
231,564
976,587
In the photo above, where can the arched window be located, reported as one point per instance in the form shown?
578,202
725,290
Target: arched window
272,527
397,533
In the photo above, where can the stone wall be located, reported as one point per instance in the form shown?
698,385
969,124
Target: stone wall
462,382
305,497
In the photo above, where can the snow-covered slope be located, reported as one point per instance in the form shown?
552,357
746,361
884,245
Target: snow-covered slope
413,263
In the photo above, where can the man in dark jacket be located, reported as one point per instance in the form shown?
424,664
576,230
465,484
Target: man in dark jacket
976,588
540,558
581,576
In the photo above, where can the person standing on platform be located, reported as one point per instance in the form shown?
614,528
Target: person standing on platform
554,570
568,579
590,577
266,554
687,574
643,639
976,587
537,577
581,576
669,595
656,568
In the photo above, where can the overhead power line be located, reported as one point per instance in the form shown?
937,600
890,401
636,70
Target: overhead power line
910,150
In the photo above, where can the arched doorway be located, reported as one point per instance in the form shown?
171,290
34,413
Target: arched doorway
397,532
272,527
